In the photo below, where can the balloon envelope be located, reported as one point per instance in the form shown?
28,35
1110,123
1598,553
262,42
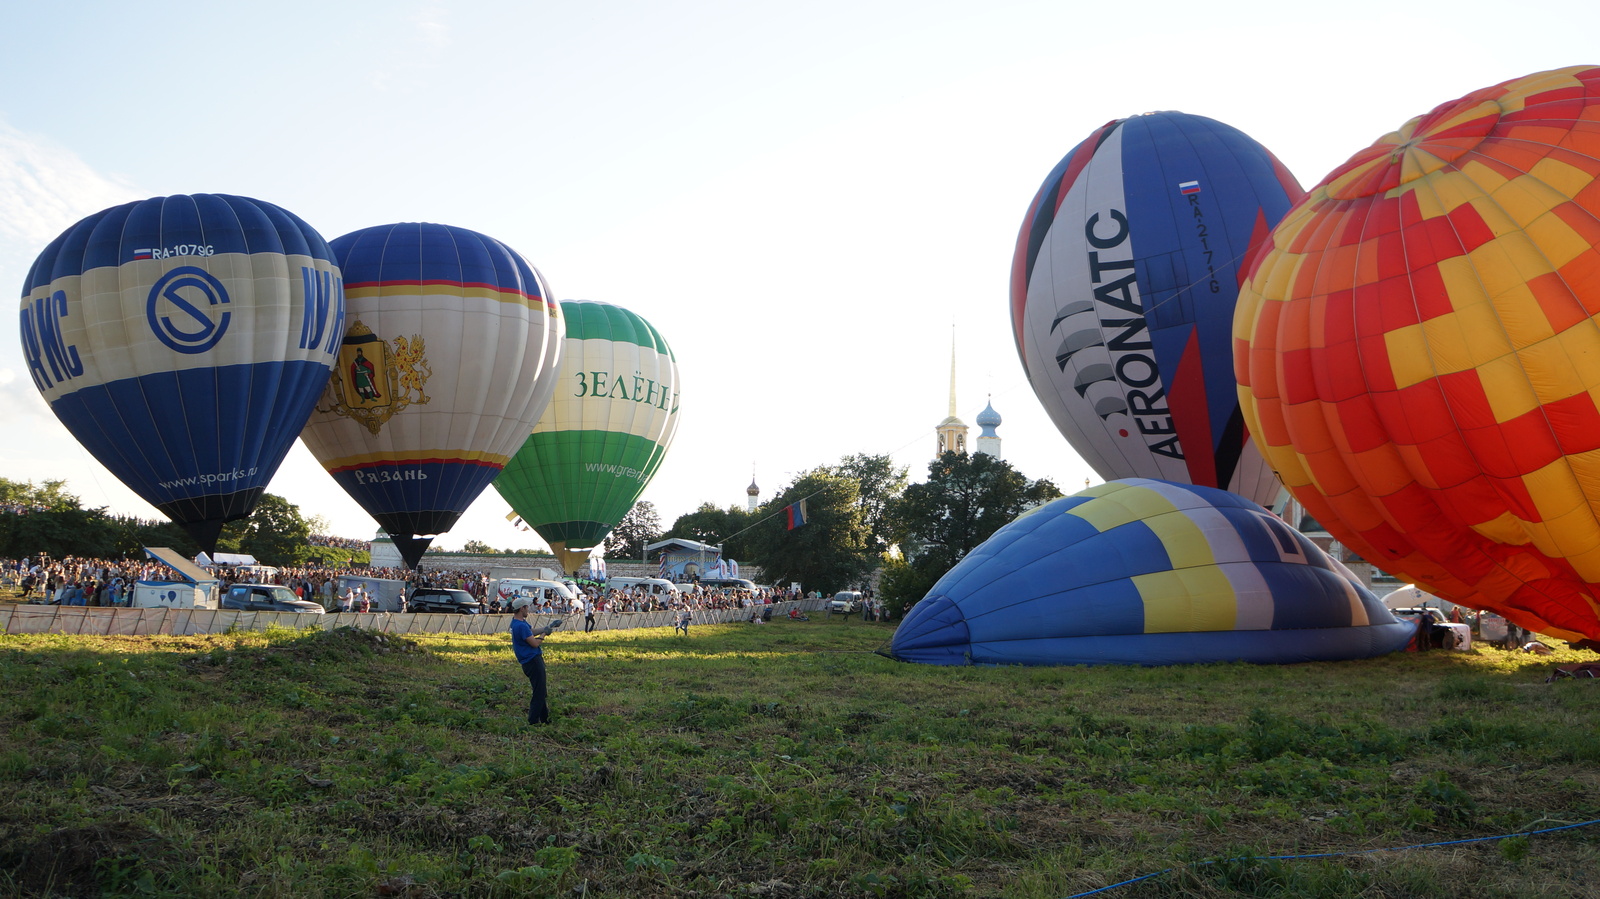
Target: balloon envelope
1146,572
183,341
604,435
1122,293
448,356
1417,353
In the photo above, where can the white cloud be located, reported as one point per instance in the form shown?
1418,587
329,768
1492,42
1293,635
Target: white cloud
45,188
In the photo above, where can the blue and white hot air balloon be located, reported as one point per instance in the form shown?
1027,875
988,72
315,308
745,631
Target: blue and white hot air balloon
1123,284
1147,572
183,341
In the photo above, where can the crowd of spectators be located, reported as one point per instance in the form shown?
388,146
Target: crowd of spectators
22,508
74,581
596,597
340,542
106,582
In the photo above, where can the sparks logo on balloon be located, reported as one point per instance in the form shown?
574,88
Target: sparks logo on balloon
196,428
175,291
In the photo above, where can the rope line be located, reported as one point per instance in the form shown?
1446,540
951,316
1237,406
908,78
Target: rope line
1351,852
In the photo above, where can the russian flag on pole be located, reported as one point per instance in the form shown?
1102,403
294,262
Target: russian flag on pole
796,513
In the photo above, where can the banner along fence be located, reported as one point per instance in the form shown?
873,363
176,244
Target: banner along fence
94,620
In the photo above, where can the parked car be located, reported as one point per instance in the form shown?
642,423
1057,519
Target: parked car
846,601
1437,631
267,598
724,583
443,599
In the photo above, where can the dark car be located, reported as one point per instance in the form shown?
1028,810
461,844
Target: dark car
442,599
267,598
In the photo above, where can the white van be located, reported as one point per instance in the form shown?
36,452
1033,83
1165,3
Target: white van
651,585
174,595
560,595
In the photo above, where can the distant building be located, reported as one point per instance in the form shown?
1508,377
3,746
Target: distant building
384,553
752,494
988,440
681,559
952,432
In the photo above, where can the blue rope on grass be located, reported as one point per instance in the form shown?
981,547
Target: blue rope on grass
1250,858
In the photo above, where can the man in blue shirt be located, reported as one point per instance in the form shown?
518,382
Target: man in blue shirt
527,642
74,596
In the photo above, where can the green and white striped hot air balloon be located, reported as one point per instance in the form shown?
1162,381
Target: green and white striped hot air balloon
604,434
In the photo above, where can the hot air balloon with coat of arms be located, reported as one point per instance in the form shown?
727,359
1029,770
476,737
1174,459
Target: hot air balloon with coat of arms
449,355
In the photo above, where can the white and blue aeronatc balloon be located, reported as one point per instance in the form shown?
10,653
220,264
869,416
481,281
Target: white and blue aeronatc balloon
1123,286
184,341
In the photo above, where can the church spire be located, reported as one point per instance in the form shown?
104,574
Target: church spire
952,370
952,431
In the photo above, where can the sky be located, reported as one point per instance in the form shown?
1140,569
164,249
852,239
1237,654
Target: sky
810,201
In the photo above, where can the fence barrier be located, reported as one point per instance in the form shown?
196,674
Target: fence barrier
98,621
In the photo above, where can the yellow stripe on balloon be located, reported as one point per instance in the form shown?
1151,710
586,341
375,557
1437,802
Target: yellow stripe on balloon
1186,600
1506,387
412,458
1466,338
1185,543
1563,363
452,292
1126,505
1407,349
1504,528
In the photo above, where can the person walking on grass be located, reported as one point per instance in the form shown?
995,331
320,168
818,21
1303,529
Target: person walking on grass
527,644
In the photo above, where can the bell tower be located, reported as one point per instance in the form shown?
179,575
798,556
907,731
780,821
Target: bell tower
952,432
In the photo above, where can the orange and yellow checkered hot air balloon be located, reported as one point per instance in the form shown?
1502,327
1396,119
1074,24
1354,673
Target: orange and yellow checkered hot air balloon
1418,357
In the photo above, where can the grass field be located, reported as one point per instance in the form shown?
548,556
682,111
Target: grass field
781,760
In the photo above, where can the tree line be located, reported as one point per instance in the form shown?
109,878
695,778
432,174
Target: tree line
45,518
862,514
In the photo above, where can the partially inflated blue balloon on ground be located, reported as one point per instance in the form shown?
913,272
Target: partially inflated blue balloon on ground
1147,572
183,341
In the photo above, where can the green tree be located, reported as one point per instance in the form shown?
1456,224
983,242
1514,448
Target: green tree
829,552
901,584
727,528
477,546
880,483
964,501
133,534
51,496
275,533
637,529
46,518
